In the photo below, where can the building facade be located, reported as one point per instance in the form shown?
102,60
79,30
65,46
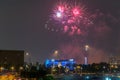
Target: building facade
69,63
10,58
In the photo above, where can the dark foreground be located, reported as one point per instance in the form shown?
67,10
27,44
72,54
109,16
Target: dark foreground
87,77
67,77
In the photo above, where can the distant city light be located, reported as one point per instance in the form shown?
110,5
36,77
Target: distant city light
52,60
1,68
87,77
71,59
12,68
107,78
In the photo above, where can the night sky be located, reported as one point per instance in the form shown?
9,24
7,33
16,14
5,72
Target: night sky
22,27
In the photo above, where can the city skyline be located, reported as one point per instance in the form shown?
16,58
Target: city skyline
22,27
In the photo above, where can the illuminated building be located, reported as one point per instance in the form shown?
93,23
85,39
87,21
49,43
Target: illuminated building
10,58
70,63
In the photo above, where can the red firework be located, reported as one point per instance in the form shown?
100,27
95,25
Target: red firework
68,18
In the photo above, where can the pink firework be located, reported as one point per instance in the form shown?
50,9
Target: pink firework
68,18
76,12
61,8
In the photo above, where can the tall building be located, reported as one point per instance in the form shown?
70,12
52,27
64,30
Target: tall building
10,58
114,60
85,60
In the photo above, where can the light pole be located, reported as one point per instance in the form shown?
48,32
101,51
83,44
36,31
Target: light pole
28,57
56,54
86,54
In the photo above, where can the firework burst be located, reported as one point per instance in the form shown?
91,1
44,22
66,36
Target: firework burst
68,18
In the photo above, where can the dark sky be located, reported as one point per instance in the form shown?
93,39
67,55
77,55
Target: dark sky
22,27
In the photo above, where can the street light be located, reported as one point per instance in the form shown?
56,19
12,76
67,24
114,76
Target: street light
55,54
86,47
1,68
27,54
12,68
21,68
